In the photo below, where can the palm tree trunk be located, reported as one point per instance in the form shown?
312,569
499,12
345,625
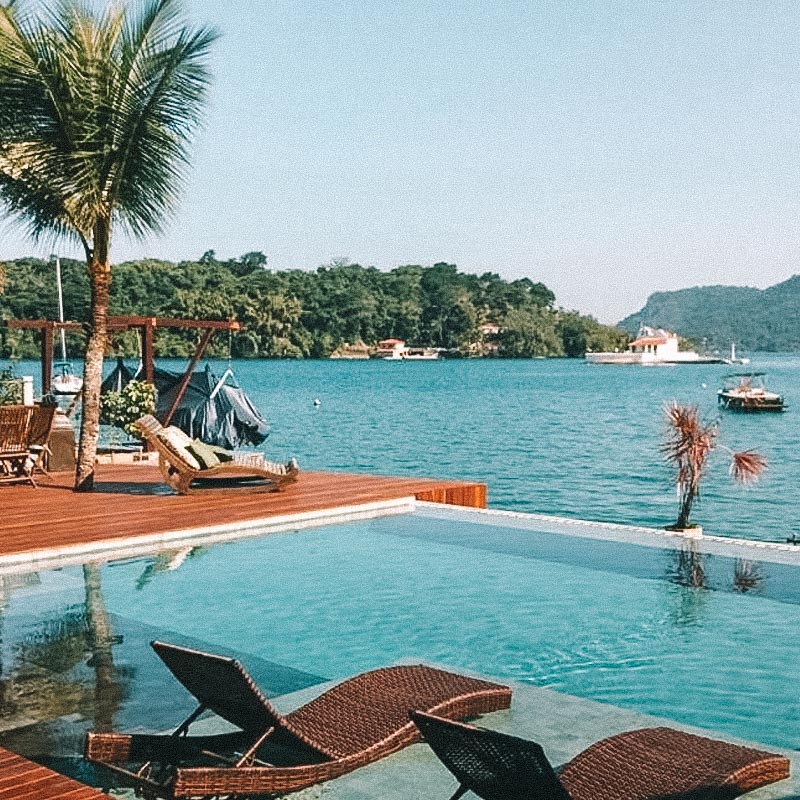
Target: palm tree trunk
100,278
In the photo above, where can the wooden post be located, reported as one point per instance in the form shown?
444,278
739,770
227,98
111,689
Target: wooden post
147,350
47,357
187,376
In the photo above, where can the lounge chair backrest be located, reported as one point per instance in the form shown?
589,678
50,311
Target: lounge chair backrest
15,423
221,684
493,765
170,442
148,425
41,425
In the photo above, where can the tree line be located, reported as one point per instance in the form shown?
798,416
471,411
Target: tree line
307,314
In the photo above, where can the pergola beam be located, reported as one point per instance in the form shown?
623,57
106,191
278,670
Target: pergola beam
115,324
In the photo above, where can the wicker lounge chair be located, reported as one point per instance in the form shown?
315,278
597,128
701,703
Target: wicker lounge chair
642,764
355,723
248,472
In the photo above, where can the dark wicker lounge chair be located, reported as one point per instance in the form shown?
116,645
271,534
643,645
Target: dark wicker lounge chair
246,472
356,722
643,764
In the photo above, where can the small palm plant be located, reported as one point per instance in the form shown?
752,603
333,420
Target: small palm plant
688,444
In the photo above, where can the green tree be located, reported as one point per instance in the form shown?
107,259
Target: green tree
529,332
97,109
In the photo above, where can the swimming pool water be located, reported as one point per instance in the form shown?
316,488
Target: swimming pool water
622,624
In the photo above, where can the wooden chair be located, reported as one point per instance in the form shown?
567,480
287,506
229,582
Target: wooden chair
248,472
41,426
24,433
14,450
642,764
355,723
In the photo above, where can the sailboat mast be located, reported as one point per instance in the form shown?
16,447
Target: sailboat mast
61,309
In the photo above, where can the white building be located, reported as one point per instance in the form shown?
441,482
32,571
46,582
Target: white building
652,346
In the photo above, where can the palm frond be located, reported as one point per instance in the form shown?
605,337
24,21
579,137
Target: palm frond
747,466
97,110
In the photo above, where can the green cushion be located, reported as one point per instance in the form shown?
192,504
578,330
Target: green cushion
204,453
220,452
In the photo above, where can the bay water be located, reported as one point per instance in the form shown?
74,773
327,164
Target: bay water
554,436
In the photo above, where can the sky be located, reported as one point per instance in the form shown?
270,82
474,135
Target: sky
607,149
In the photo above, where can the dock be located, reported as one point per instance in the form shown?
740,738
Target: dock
132,501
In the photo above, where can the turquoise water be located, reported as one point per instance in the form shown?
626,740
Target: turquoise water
554,436
617,623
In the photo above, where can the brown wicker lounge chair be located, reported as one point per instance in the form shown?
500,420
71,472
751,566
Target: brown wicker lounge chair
248,472
642,764
355,723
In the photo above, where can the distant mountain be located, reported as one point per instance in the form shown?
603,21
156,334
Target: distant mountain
756,319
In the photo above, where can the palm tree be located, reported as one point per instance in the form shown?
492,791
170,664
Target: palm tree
97,109
688,444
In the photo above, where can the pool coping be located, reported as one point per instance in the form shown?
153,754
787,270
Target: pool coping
115,548
752,549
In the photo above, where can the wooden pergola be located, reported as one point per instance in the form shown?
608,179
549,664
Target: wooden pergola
145,325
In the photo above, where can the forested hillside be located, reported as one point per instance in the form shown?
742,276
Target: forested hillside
756,319
297,313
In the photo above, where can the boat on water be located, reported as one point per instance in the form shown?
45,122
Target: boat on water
396,350
747,392
420,354
65,381
652,347
733,358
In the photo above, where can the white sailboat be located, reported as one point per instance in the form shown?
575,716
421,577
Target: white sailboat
65,381
733,358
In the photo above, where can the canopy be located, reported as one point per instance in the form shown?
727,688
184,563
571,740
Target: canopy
214,410
118,378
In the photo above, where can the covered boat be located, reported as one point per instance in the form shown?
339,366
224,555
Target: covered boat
216,410
747,392
118,378
213,409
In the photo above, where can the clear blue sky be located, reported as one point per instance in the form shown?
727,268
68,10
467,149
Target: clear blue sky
608,149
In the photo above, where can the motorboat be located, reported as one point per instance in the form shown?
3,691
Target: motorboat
747,392
65,381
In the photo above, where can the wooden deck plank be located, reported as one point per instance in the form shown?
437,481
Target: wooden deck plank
21,779
131,500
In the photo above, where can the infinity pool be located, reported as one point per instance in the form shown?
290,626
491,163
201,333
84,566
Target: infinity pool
704,639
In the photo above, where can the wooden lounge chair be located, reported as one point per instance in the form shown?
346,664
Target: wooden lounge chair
24,432
642,764
248,472
355,723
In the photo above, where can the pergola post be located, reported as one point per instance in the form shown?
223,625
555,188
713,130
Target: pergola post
47,357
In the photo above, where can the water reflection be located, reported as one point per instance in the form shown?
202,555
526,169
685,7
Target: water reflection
59,668
687,576
166,561
748,576
688,567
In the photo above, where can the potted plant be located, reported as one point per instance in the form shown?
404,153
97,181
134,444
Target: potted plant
688,444
121,409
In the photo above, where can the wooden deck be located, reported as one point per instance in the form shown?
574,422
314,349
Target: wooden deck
132,500
21,779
